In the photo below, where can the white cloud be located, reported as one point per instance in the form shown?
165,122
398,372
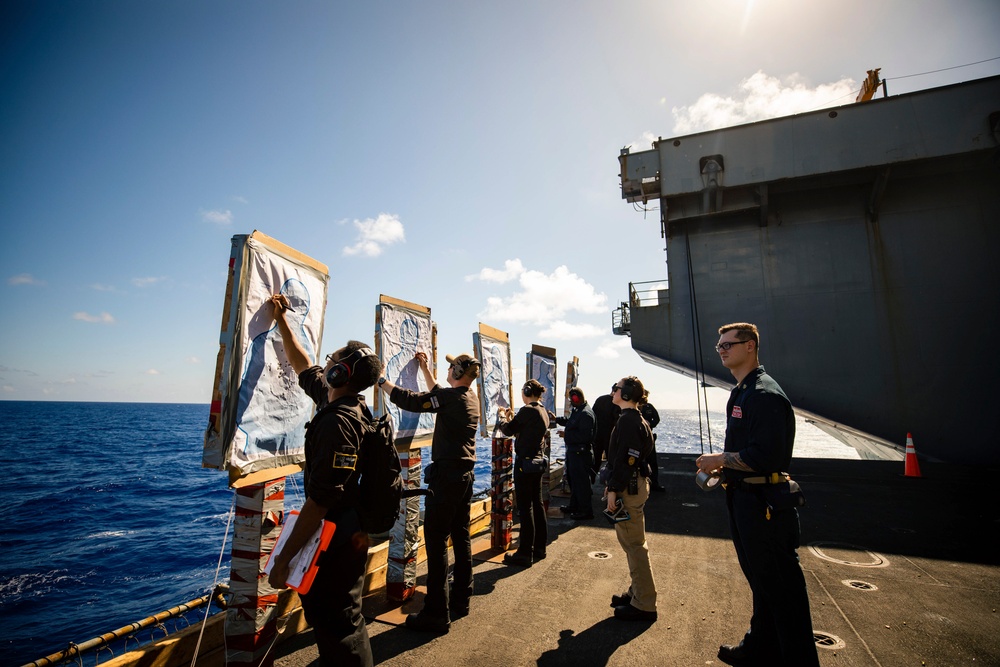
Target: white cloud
8,389
562,330
152,371
222,218
758,98
100,287
375,234
103,318
611,349
193,360
48,391
242,200
147,281
542,298
24,279
512,268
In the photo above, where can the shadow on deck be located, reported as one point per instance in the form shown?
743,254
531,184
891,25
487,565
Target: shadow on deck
900,571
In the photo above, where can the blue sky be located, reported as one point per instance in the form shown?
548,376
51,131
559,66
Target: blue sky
459,155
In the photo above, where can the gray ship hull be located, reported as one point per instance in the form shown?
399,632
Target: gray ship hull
863,243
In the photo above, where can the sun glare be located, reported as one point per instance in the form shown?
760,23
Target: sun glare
746,16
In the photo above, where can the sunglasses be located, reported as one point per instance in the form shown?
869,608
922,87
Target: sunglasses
725,346
615,388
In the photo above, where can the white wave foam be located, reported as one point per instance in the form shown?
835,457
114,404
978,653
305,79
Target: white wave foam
109,533
32,583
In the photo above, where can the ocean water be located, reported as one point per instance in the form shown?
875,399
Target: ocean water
110,517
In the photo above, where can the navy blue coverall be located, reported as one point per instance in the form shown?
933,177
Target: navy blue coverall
760,426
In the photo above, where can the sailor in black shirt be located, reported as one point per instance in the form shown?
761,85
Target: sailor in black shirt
333,438
606,413
531,424
631,443
578,435
449,478
652,417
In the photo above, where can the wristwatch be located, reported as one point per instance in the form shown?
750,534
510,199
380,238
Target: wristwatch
381,381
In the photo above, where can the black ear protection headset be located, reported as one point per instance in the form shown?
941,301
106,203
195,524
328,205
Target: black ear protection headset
458,369
340,373
628,389
533,388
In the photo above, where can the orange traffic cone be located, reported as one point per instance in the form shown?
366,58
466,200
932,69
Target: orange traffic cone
912,464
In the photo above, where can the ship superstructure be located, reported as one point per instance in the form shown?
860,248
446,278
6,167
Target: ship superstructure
862,239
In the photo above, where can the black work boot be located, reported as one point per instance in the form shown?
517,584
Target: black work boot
424,622
738,655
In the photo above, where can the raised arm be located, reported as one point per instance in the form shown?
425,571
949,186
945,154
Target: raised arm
294,351
421,358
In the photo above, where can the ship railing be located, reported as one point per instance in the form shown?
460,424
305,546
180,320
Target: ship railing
176,617
647,293
640,295
621,324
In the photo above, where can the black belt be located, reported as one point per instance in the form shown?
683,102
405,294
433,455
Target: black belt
757,483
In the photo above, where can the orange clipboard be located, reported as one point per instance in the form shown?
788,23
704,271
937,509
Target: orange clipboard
304,565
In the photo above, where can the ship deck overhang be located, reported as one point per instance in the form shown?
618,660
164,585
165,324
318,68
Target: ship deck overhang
863,243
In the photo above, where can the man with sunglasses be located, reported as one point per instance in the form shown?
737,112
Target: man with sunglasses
449,479
760,433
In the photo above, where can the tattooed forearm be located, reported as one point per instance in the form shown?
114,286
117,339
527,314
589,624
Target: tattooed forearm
733,460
